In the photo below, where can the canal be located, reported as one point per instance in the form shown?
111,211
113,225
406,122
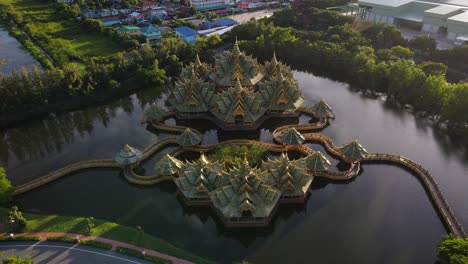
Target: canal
15,56
383,216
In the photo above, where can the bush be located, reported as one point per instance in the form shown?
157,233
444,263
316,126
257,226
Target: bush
20,238
18,260
233,156
93,243
136,253
6,189
64,239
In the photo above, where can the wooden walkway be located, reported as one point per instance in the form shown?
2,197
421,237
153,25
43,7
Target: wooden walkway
430,184
38,182
434,192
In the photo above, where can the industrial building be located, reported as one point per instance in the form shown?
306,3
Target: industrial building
429,16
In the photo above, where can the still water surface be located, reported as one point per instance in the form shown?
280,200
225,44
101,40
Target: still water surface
383,216
16,57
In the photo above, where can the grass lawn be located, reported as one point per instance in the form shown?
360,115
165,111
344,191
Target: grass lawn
109,230
62,36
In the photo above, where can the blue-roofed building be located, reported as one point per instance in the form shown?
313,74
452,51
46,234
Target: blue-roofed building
152,33
225,22
187,34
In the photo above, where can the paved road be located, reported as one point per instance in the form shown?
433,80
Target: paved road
55,253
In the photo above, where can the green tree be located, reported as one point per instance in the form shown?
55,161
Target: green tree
453,250
425,44
90,224
6,189
16,219
433,68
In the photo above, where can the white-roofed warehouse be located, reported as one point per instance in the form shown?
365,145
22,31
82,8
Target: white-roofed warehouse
430,15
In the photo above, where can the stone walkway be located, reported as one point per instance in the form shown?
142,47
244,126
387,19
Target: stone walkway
114,243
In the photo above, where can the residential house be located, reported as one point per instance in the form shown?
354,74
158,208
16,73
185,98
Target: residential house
131,30
69,2
146,5
152,33
157,12
187,34
225,22
103,12
111,21
89,13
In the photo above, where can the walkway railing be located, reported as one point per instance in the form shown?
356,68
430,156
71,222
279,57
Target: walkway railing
431,186
435,194
103,163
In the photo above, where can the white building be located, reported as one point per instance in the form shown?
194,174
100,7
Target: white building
204,5
429,15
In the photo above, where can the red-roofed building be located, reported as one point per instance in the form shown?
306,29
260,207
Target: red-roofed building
148,5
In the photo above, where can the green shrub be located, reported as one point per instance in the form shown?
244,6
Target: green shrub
136,253
93,243
64,239
18,260
20,238
233,156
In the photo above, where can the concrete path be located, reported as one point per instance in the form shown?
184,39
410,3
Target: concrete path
114,243
64,253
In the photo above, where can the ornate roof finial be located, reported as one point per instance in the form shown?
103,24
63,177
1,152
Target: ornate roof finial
236,49
273,59
197,60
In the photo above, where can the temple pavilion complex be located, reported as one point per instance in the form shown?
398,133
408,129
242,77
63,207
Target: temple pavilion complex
236,93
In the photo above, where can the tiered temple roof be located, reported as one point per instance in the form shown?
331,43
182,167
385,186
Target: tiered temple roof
322,109
353,150
154,112
128,155
192,94
317,162
236,65
238,103
245,194
287,176
167,166
188,138
291,136
280,93
200,177
274,68
198,68
238,90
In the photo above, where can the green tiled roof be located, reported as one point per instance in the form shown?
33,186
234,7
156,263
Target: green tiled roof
192,95
154,112
273,68
245,193
317,162
150,29
353,150
238,102
322,109
168,165
189,138
128,155
280,93
199,177
236,65
287,176
291,136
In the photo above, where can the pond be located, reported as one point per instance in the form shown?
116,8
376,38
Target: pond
383,216
15,56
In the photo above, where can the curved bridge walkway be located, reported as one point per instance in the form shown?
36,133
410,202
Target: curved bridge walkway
435,194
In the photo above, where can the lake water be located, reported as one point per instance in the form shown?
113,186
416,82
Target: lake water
383,216
10,50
